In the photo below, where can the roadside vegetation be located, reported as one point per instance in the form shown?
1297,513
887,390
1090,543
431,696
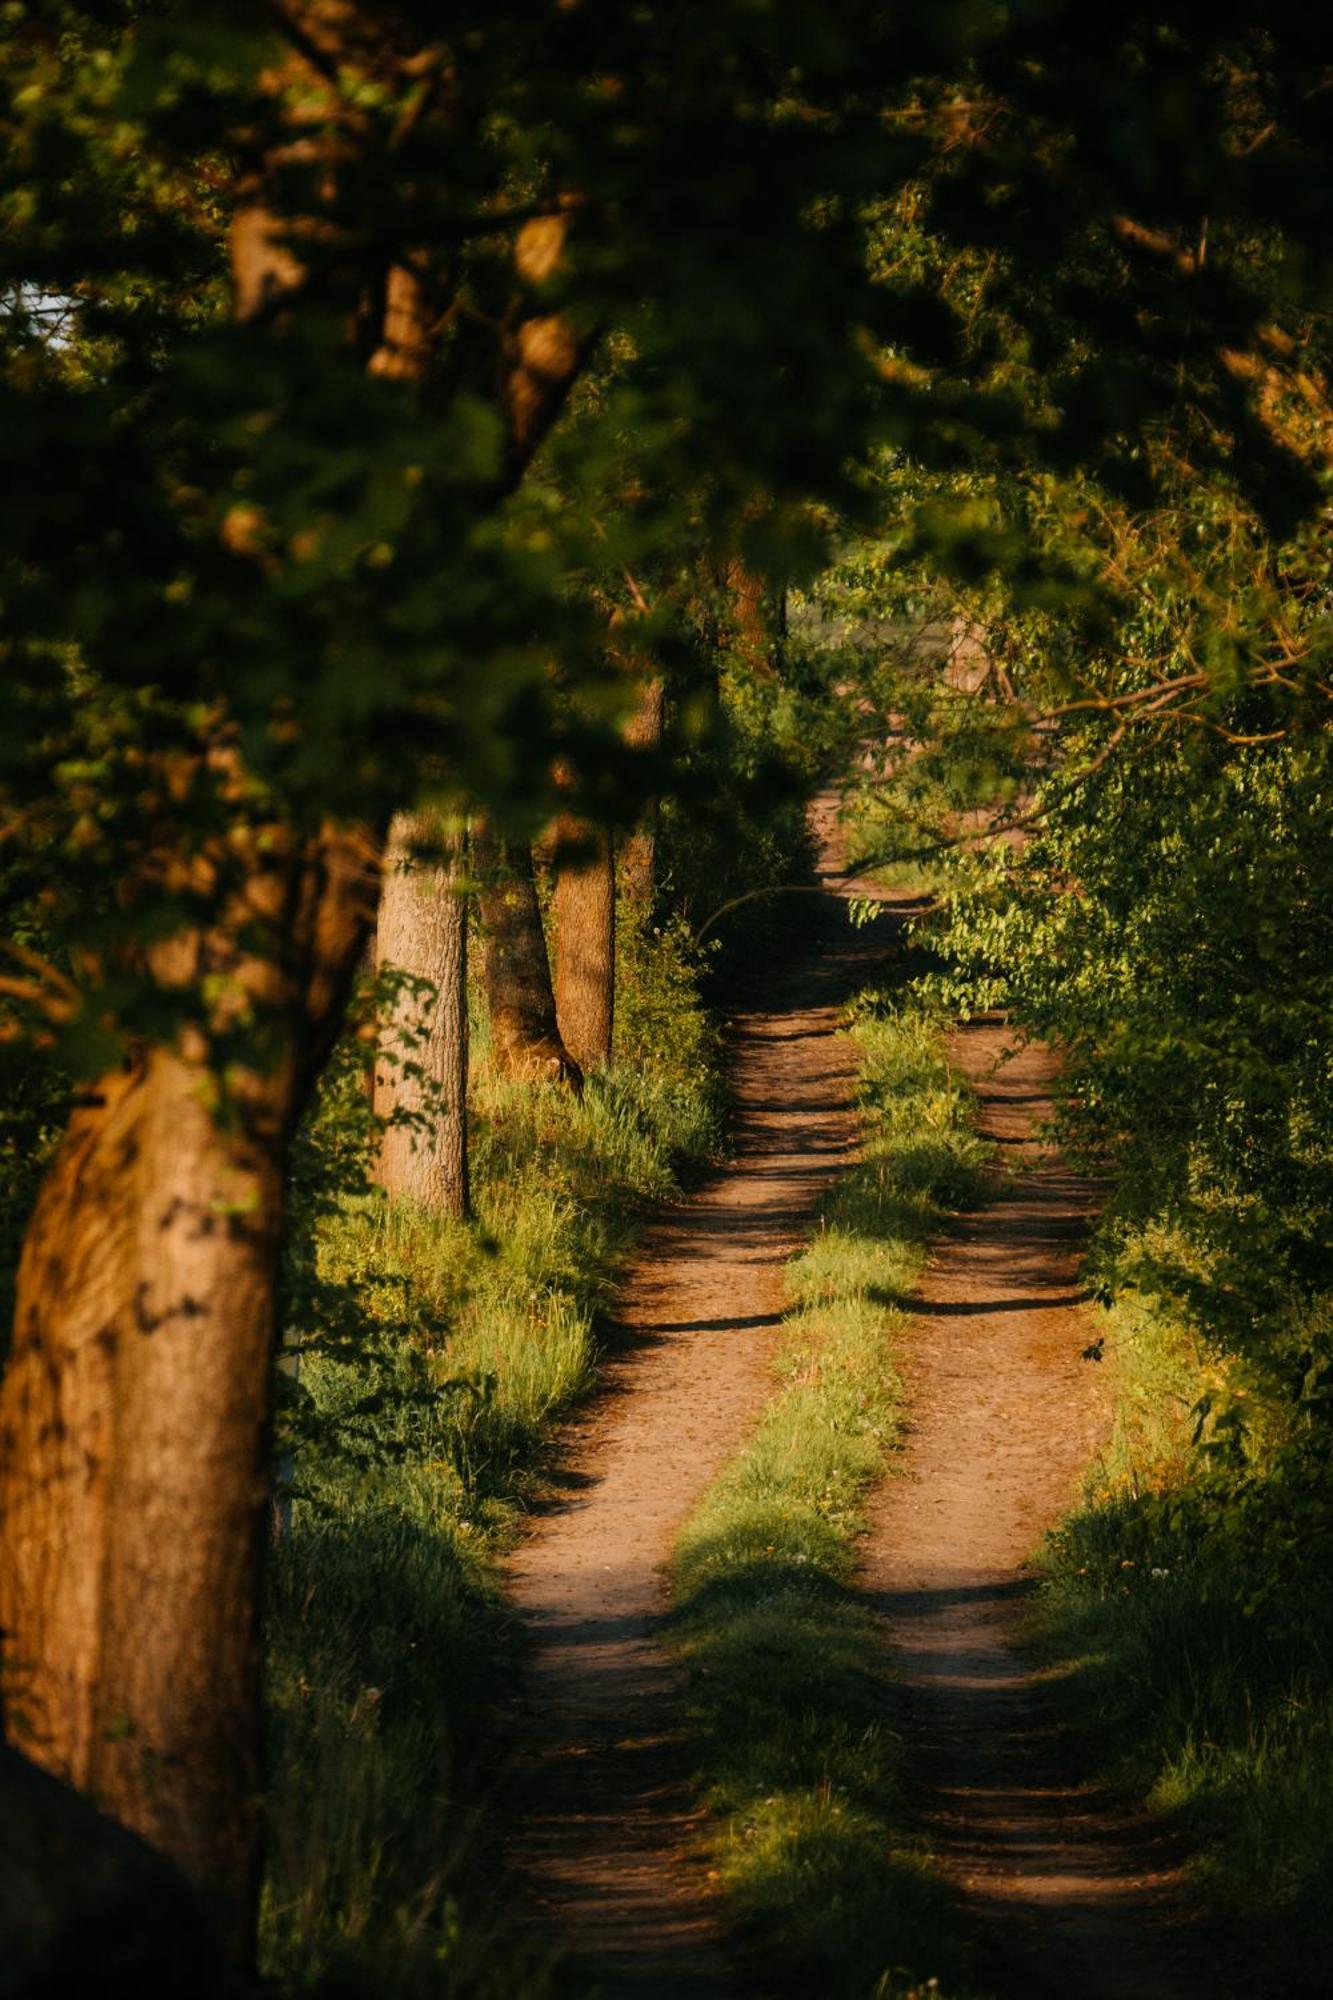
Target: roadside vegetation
1160,921
1186,978
436,1357
790,1701
445,1352
1186,1600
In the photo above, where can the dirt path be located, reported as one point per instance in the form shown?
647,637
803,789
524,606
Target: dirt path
1069,1896
607,1840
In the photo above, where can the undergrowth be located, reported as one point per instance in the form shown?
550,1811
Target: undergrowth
435,1356
1188,1601
788,1692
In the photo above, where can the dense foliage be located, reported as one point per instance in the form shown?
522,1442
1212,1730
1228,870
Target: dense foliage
272,562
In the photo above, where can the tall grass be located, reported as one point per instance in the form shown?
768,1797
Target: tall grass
788,1694
390,1654
1189,1597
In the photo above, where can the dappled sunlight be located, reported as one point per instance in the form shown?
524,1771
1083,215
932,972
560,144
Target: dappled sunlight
790,1697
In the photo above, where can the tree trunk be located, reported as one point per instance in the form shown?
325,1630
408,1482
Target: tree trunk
525,1037
638,854
423,932
751,633
134,1412
585,943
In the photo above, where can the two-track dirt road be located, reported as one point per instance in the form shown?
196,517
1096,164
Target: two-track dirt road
607,1840
1068,1896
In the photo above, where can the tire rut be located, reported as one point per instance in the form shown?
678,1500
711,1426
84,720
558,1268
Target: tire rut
607,1843
1067,1892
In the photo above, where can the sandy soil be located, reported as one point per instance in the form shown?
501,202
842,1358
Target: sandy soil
607,1840
1069,1895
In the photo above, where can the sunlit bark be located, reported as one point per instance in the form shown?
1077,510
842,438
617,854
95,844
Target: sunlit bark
423,926
134,1412
525,1038
585,941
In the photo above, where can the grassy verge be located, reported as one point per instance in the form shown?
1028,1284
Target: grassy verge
787,1668
1188,1600
446,1351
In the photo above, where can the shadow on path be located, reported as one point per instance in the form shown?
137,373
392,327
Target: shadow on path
1068,1894
606,1839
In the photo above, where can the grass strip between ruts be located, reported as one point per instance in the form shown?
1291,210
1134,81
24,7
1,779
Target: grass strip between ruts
789,1670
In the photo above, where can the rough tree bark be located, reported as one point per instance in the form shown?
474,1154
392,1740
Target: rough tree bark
525,1036
585,902
134,1411
638,854
423,930
585,941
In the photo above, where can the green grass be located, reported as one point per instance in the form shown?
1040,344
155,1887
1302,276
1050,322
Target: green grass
1188,1598
907,820
788,1689
390,1653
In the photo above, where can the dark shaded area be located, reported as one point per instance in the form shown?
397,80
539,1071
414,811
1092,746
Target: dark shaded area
88,1909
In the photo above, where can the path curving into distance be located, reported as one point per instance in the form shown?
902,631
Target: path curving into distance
1068,1894
606,1840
